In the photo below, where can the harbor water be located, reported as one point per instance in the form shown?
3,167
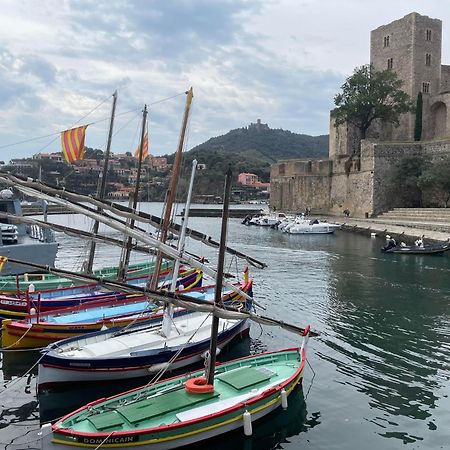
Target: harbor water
378,376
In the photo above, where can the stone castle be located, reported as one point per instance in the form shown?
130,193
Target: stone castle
410,46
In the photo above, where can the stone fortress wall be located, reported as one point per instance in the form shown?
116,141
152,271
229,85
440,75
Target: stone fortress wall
412,47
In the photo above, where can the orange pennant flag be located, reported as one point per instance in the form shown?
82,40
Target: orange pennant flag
72,142
144,149
3,261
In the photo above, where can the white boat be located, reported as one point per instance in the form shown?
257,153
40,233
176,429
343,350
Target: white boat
136,352
33,244
310,226
265,219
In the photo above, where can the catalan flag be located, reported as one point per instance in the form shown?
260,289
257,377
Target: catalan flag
72,142
3,261
144,149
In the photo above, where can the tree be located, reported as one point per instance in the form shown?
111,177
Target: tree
368,95
93,153
437,177
418,124
402,182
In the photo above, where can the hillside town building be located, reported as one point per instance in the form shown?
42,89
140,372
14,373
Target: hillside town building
410,46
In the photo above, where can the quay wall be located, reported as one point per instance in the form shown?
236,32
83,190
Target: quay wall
298,184
340,183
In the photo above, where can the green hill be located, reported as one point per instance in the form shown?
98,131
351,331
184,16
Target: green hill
250,149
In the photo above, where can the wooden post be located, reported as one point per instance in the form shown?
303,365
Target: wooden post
219,279
102,185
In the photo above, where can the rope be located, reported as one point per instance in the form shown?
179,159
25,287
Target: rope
163,370
86,115
34,349
12,382
104,440
312,379
15,343
39,439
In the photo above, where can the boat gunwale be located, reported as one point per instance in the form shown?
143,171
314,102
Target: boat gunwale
229,294
14,306
174,426
130,298
63,360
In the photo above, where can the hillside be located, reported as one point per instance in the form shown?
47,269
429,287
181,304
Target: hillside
249,149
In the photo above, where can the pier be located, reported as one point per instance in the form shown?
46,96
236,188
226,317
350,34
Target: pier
403,223
217,212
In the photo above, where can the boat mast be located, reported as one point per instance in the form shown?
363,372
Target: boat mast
102,186
219,280
172,188
168,310
125,258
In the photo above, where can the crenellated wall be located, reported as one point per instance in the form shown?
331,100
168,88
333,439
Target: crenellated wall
297,184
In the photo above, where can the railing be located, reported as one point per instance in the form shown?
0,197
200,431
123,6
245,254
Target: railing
42,234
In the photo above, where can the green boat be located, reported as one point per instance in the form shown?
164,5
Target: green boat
42,282
171,413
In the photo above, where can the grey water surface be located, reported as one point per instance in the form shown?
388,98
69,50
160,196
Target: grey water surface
378,374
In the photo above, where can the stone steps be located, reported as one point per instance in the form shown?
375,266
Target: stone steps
434,219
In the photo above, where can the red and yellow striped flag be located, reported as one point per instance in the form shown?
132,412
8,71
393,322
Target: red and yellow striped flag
72,142
3,261
144,149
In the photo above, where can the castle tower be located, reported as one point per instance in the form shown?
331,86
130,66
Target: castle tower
410,46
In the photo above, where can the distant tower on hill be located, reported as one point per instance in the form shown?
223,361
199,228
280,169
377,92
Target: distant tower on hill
258,125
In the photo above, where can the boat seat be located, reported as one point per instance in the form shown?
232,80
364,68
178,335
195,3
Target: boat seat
106,420
174,401
245,377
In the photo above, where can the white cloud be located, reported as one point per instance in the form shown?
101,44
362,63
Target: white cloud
281,61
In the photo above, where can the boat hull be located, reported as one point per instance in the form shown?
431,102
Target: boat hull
312,229
437,249
19,307
52,373
194,426
43,253
48,281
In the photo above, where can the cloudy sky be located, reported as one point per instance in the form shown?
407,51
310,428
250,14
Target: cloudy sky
278,60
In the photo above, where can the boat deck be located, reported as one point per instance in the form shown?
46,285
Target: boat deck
169,403
105,313
141,342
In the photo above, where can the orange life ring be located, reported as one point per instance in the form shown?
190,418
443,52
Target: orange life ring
198,386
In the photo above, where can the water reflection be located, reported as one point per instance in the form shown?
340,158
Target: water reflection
383,358
17,363
385,320
272,431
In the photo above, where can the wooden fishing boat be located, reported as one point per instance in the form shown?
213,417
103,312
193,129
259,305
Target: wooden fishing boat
38,331
169,414
141,348
45,281
49,300
428,249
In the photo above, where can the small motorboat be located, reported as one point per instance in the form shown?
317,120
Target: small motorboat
427,249
265,219
302,225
